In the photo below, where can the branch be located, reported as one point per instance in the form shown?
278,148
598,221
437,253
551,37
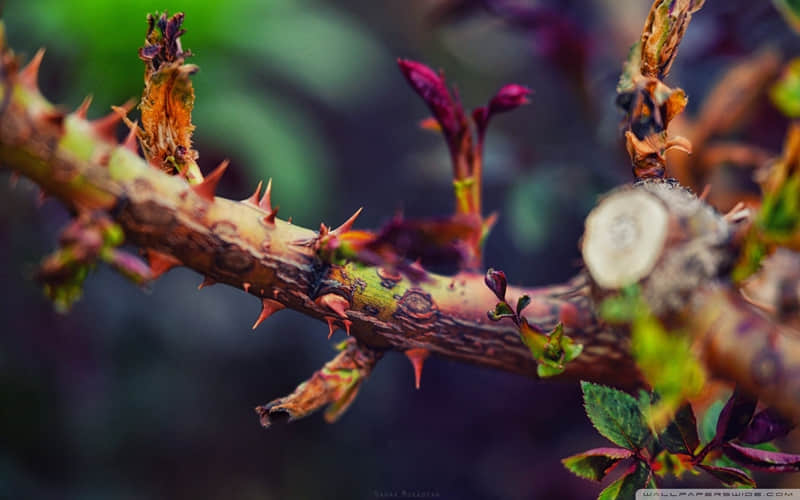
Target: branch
243,244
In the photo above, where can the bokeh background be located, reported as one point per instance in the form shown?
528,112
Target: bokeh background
150,393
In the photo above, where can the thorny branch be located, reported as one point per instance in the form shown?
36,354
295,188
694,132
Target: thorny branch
176,220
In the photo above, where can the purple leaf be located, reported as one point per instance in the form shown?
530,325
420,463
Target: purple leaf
447,110
767,425
496,281
735,416
770,461
730,476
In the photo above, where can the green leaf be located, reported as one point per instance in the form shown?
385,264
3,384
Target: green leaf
680,436
616,415
501,310
708,427
730,476
522,303
595,464
625,487
549,370
790,10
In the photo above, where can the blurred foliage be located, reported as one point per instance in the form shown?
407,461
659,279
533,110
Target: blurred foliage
303,45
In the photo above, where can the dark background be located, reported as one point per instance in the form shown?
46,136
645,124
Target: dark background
149,394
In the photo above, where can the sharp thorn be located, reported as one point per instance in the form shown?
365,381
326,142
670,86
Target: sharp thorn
274,293
131,143
55,118
253,199
270,218
246,287
266,201
331,327
348,224
29,75
160,262
347,325
106,126
268,308
206,283
83,110
417,356
335,303
208,187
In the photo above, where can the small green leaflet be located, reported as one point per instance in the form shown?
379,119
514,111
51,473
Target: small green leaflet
616,415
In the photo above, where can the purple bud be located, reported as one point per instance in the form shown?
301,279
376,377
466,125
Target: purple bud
509,97
496,281
447,110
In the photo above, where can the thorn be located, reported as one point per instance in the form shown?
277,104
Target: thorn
160,262
13,179
348,224
246,287
106,126
41,198
704,195
55,118
289,220
347,325
331,327
29,75
130,143
270,218
83,110
268,308
253,200
417,357
274,293
335,303
208,187
266,201
206,282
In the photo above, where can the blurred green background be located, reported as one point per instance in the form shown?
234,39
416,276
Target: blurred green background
150,395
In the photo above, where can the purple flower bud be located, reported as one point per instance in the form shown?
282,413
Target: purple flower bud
496,281
509,97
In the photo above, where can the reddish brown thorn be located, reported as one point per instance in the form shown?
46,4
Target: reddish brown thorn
348,224
347,325
13,179
704,195
266,201
131,143
29,76
54,118
253,199
335,303
208,187
417,357
160,262
206,282
246,287
331,327
323,229
274,293
106,127
268,308
270,218
83,110
289,220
